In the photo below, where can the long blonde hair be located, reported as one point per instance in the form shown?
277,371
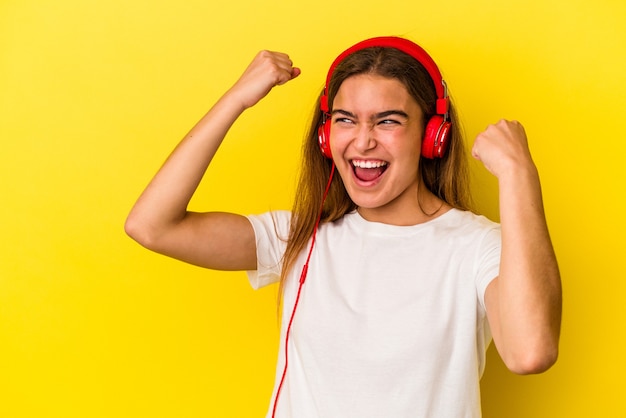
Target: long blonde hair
447,178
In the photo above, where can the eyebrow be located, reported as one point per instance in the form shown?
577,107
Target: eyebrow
380,115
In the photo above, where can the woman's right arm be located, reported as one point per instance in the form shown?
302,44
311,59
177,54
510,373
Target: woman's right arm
160,221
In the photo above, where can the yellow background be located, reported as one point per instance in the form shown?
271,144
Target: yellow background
94,95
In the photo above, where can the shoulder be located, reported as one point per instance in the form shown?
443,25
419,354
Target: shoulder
273,215
469,217
277,221
469,222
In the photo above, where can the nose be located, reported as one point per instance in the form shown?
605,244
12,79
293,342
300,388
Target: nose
364,139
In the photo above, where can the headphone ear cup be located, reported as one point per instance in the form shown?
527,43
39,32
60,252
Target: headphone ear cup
323,134
435,142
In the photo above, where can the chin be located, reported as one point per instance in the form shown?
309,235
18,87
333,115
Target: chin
368,203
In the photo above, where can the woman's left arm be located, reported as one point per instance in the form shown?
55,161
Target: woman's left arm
524,302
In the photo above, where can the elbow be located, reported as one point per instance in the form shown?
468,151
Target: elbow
138,231
533,361
132,228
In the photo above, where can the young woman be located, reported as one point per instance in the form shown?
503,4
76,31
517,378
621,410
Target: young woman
392,288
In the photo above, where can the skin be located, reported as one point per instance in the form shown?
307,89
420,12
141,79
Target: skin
523,303
160,221
375,120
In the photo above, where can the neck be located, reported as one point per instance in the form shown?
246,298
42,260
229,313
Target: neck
424,207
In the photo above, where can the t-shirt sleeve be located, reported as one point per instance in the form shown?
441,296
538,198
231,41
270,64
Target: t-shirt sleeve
271,231
488,266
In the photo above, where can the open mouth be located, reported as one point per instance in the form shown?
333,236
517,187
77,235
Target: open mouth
368,170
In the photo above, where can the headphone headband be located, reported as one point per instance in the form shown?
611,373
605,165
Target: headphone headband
437,129
405,46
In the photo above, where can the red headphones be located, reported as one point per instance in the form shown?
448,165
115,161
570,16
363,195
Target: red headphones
435,141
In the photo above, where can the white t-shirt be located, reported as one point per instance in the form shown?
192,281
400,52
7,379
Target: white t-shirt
391,322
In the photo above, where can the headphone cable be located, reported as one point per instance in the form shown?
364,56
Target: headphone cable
303,275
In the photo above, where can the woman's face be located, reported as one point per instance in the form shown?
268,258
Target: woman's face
375,139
